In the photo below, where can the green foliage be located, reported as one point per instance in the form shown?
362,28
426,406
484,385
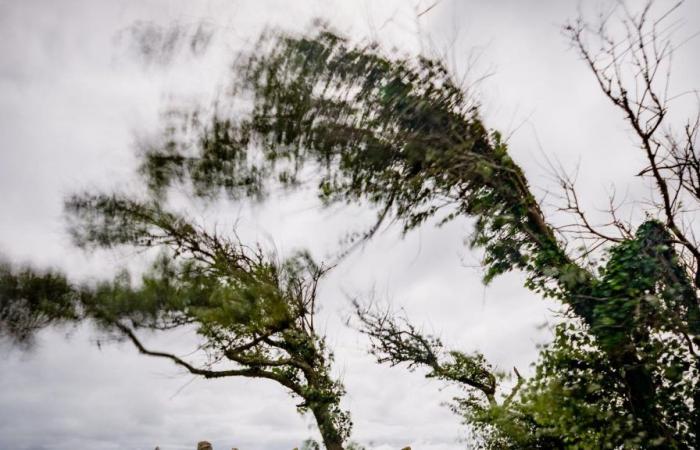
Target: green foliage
580,396
397,132
30,301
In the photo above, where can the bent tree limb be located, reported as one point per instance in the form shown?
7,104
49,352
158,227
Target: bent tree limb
396,341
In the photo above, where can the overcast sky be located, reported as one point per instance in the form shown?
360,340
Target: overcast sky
75,96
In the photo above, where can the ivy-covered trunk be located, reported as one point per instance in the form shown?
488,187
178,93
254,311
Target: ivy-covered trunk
643,402
332,438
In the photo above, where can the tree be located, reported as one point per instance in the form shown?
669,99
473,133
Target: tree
623,370
250,310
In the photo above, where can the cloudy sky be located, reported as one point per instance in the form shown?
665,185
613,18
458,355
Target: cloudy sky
76,94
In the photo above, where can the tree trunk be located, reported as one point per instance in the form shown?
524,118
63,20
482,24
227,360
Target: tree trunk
332,439
642,399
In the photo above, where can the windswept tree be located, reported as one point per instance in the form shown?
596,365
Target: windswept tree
253,313
401,134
